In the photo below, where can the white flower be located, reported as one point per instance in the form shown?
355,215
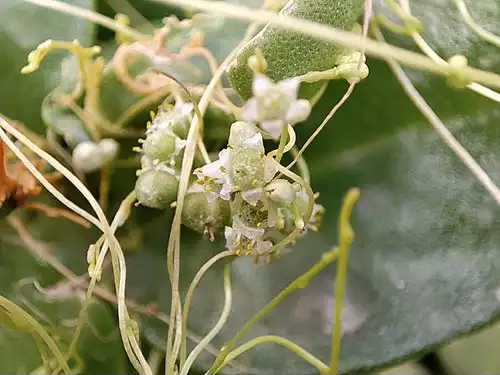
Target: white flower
215,178
242,167
241,237
275,105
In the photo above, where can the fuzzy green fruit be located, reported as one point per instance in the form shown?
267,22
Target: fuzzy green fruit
156,189
289,53
159,145
204,216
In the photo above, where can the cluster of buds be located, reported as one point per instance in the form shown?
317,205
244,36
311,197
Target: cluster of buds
241,194
161,155
265,209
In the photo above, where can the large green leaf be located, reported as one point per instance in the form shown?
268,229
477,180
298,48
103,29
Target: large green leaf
424,263
22,27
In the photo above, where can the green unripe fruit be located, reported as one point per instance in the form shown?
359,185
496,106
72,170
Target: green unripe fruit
246,168
156,189
204,216
289,53
159,145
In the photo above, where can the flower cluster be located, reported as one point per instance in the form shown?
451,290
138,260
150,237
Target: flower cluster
161,159
258,204
265,209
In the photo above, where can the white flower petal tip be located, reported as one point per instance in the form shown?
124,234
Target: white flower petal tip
290,86
261,84
298,111
250,111
273,127
275,105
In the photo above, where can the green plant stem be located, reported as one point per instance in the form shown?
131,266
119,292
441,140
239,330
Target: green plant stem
91,16
187,164
290,345
282,144
351,40
440,128
299,282
301,165
140,362
218,326
427,49
189,296
346,237
323,123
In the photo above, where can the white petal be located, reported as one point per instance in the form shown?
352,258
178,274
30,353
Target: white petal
213,170
241,131
250,111
269,169
298,111
263,246
290,86
186,108
224,156
230,236
225,192
247,231
255,142
273,127
261,84
199,173
179,145
272,215
252,195
212,195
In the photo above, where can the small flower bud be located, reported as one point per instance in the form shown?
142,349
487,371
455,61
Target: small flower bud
109,149
281,192
89,156
156,188
159,145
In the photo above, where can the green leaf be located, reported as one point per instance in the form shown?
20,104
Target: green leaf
424,261
22,27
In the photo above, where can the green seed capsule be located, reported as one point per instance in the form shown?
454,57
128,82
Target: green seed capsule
289,53
159,145
156,189
204,216
246,168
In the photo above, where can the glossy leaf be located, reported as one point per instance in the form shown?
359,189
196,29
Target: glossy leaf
424,262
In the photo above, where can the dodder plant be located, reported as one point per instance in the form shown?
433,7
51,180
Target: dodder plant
216,157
